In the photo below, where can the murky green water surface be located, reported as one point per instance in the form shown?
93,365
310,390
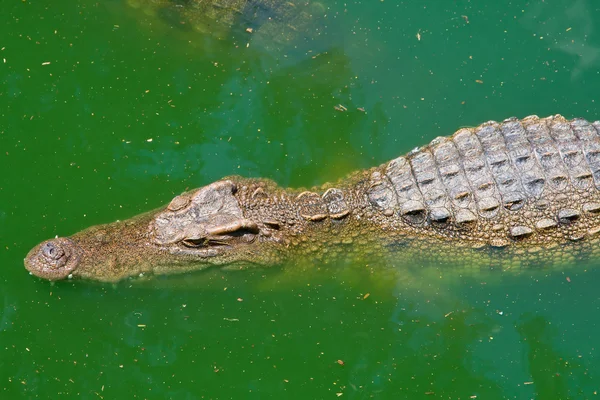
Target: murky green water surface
108,111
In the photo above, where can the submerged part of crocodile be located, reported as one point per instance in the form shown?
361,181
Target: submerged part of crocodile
508,194
280,20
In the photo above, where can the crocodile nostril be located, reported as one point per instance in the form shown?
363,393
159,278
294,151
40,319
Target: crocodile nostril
52,251
54,259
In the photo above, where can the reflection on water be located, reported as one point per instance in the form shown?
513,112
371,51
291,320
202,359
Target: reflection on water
432,353
356,338
237,111
554,374
275,26
568,32
246,114
7,313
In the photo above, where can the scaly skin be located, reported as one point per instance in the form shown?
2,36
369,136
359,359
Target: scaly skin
506,195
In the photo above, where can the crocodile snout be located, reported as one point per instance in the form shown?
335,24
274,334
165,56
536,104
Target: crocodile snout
53,259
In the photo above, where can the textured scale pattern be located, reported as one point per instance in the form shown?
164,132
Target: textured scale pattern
532,179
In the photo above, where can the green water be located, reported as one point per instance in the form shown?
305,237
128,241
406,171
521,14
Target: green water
108,111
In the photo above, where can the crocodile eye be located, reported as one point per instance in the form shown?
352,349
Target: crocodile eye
52,251
194,243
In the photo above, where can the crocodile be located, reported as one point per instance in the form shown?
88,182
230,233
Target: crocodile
279,20
511,193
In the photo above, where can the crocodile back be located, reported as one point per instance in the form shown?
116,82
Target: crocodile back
535,180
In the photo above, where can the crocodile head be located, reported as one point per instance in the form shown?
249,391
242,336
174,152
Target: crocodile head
196,230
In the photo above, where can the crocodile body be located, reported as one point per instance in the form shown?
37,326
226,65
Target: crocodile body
529,187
